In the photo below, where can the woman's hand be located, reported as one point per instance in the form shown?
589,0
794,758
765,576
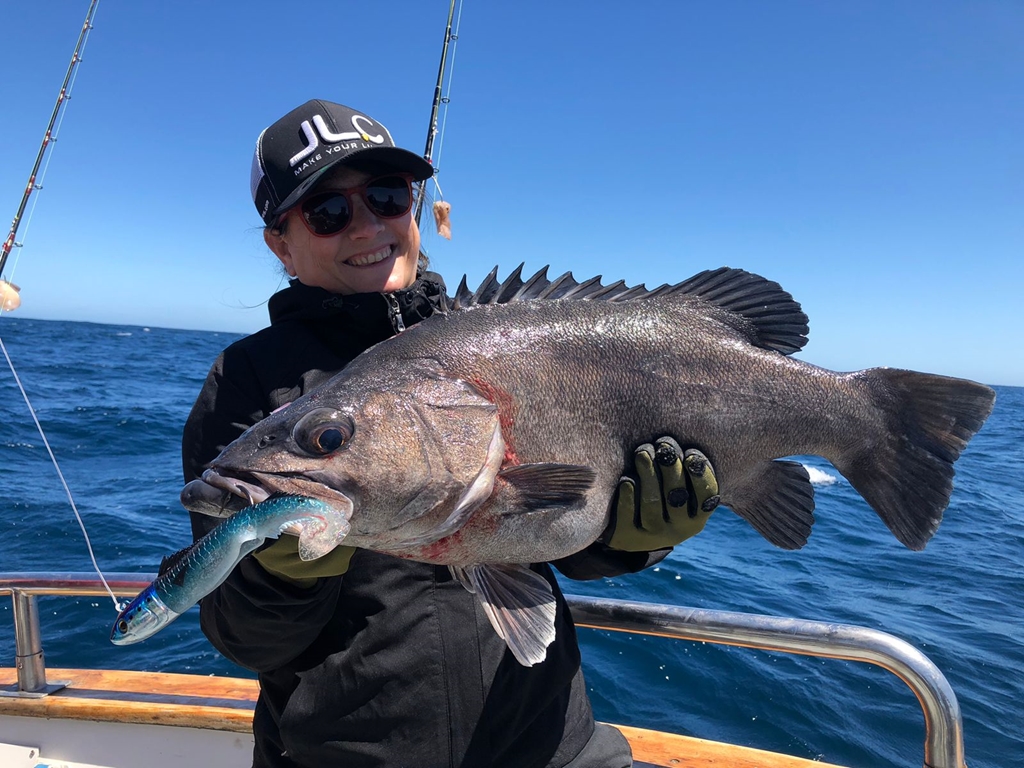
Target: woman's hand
677,493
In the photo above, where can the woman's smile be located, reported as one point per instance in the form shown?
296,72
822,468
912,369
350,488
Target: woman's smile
369,259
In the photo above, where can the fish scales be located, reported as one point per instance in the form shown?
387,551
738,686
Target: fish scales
591,380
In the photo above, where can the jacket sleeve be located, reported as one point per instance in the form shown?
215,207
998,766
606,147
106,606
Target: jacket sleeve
256,620
599,561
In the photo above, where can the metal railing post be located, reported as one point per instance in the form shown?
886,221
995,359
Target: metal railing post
28,643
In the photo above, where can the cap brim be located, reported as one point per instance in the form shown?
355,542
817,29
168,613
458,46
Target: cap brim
372,160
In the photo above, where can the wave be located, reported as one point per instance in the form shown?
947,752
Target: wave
820,477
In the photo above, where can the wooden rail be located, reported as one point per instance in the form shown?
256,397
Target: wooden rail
226,704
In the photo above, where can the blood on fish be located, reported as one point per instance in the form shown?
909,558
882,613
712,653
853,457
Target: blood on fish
439,549
506,414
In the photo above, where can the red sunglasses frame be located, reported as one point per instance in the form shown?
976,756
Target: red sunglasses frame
348,193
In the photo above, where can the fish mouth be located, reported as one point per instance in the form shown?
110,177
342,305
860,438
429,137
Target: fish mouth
255,487
253,493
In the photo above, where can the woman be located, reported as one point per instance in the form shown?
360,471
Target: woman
366,659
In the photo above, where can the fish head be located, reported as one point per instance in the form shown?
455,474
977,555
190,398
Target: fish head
403,453
143,617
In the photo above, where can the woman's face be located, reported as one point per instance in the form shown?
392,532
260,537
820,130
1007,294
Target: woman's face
370,255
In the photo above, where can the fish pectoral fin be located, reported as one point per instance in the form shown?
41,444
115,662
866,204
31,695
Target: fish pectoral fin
778,501
519,604
549,485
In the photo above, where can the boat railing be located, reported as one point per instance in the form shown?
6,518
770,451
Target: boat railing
943,745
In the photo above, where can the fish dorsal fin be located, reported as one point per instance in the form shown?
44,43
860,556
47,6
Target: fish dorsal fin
491,291
765,313
756,307
171,560
513,288
519,604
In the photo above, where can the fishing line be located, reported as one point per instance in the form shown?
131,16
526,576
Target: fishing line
36,183
67,490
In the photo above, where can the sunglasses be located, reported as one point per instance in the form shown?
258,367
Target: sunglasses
329,213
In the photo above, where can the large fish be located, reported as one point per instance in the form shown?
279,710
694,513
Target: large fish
493,435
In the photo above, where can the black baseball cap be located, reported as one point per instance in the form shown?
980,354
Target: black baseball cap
293,153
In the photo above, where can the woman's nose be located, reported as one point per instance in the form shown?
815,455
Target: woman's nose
364,221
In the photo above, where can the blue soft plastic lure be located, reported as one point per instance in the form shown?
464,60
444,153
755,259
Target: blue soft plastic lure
194,572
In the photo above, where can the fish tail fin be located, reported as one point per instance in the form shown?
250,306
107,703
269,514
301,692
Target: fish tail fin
906,474
322,533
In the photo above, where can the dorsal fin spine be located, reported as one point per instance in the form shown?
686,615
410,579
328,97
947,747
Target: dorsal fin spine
754,306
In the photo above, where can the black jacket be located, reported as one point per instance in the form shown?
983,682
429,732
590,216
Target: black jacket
393,663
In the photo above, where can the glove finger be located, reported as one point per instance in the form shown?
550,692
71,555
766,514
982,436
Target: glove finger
673,475
703,483
626,509
282,559
647,474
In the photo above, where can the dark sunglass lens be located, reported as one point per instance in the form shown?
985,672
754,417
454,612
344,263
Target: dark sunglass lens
327,214
389,197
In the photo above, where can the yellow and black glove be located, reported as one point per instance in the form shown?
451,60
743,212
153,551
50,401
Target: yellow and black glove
281,559
676,495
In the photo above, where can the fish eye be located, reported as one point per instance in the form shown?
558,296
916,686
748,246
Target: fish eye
323,431
122,626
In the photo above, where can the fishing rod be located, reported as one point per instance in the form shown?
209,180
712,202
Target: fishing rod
8,289
10,299
435,106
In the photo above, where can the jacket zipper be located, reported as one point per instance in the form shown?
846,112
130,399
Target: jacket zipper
396,313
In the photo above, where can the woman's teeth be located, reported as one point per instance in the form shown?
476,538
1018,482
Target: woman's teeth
370,258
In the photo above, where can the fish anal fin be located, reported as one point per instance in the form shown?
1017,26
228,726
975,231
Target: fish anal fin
519,604
549,485
777,499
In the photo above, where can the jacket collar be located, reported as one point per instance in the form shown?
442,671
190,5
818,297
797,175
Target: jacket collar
304,302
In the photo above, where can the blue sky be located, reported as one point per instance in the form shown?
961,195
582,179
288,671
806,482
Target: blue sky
866,155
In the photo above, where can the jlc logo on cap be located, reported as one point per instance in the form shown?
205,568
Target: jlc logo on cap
318,126
293,153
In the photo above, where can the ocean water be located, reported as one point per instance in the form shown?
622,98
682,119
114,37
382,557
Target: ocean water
113,399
